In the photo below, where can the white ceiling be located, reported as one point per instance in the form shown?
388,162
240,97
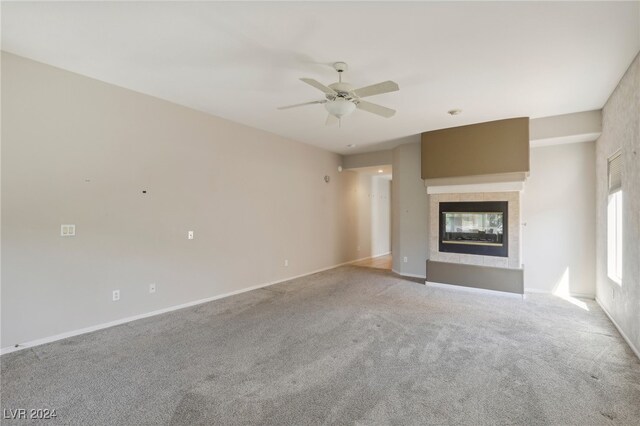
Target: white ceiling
242,60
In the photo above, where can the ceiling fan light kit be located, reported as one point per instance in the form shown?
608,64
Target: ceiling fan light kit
340,107
341,99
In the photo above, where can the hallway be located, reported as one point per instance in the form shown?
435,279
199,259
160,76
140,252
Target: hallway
380,262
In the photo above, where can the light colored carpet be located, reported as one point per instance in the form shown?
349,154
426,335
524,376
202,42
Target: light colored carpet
346,346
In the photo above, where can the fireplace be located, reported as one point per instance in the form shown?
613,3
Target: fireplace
480,247
474,227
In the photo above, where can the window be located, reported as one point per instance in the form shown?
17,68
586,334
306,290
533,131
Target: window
614,219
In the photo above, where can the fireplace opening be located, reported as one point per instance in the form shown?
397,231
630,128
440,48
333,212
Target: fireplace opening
474,228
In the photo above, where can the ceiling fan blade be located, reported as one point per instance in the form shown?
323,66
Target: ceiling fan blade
332,120
319,86
376,109
302,104
377,89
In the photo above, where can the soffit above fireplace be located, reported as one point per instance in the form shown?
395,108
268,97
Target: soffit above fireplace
483,149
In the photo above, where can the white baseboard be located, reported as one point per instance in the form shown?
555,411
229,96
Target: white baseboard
589,296
537,290
366,258
404,274
624,336
545,291
475,290
354,261
380,255
49,339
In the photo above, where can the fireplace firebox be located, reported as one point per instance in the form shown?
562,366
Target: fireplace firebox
476,227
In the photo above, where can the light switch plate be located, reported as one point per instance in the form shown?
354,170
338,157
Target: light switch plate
190,235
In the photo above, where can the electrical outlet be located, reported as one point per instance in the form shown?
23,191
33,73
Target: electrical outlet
152,288
67,230
286,262
116,295
405,259
190,235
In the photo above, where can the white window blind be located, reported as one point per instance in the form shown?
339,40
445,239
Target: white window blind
615,172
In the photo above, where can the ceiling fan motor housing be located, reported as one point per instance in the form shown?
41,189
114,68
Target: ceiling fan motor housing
342,89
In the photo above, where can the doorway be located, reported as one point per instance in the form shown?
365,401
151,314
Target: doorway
374,217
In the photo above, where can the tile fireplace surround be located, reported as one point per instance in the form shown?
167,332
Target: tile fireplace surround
514,247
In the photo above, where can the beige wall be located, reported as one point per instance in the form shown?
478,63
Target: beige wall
409,206
583,126
367,159
558,207
621,129
76,150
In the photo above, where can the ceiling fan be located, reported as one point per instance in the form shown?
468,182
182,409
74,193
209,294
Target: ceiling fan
342,99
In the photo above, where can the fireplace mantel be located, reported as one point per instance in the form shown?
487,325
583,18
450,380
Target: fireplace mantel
476,188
